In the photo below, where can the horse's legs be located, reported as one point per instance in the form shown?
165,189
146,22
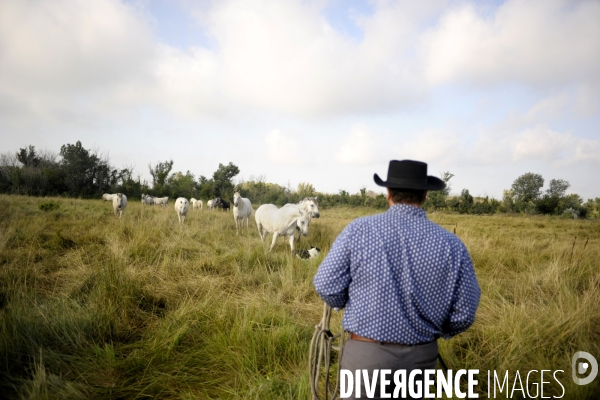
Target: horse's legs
260,232
275,236
292,241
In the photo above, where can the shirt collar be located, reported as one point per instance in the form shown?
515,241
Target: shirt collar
407,209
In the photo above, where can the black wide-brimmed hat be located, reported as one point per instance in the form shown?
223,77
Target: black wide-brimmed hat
409,174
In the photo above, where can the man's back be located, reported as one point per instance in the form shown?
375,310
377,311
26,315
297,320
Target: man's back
401,278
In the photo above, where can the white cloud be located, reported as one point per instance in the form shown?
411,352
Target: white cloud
70,45
360,147
547,109
541,143
547,42
559,149
490,149
587,99
435,146
587,150
283,57
544,111
187,82
66,61
282,148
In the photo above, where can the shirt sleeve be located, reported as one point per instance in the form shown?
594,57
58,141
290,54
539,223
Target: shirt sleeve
465,299
333,276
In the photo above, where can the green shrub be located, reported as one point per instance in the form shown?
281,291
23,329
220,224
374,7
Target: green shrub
49,206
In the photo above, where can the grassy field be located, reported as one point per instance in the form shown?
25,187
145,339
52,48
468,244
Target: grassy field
100,308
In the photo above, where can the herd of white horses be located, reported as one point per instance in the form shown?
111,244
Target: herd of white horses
269,218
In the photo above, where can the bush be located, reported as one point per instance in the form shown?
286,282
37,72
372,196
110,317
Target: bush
49,206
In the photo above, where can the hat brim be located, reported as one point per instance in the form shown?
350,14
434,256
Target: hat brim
433,183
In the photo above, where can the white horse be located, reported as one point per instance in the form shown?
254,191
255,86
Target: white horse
163,201
308,204
149,200
242,208
182,206
281,222
210,204
196,203
119,203
107,197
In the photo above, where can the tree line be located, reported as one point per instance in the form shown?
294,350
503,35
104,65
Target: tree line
79,172
524,197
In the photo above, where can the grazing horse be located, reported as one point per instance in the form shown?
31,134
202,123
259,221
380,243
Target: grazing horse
196,203
281,222
220,203
308,204
119,203
242,208
163,201
107,197
182,206
147,200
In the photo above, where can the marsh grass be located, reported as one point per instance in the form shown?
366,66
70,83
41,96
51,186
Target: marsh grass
96,307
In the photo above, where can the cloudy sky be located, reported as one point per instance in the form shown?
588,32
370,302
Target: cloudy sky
320,91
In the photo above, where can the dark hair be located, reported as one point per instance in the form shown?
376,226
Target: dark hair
408,196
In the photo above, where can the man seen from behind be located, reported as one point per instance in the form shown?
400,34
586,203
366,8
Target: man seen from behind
403,280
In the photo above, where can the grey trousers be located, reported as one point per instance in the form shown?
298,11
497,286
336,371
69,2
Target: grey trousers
371,356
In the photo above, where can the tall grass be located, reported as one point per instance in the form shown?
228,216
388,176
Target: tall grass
143,307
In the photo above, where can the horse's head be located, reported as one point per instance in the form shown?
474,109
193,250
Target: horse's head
236,199
303,221
119,200
312,206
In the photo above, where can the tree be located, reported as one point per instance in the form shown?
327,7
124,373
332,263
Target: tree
550,202
527,187
204,187
222,180
508,201
572,201
85,174
28,157
159,176
160,172
592,208
465,202
557,188
182,185
527,190
123,181
305,189
436,199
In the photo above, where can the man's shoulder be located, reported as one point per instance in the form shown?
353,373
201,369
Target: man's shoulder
367,220
444,235
386,218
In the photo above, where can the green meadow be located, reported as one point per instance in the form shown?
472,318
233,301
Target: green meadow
93,307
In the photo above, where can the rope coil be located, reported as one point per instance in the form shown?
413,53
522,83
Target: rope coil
320,357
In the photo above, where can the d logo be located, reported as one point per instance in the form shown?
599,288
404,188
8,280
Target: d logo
582,367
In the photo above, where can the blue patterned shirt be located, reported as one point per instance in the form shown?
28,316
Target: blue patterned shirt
400,277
